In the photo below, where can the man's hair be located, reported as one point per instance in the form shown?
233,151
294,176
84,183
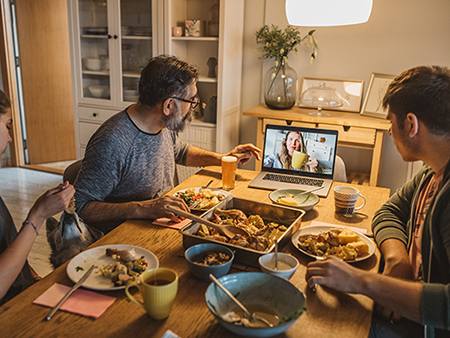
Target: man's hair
425,92
163,77
4,103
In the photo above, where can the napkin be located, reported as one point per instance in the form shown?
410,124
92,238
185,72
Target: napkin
168,223
317,223
82,302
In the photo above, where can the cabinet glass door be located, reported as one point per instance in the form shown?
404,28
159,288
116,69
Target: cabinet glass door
136,37
93,23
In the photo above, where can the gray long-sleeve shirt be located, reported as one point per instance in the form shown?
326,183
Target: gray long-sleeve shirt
123,164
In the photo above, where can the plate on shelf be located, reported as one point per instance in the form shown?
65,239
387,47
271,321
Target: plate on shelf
96,30
315,230
97,256
221,195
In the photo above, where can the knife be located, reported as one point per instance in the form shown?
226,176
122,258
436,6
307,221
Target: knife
76,286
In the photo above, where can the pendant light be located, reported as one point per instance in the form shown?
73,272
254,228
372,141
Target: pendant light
317,13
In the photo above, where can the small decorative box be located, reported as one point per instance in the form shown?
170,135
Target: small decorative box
195,27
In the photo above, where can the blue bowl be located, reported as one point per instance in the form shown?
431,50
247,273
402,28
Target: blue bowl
198,252
256,289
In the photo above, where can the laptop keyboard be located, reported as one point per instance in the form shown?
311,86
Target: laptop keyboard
293,179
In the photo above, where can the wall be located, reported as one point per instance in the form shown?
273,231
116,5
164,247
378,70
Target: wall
5,159
399,35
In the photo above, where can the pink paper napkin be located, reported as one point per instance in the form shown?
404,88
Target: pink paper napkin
168,223
317,223
82,302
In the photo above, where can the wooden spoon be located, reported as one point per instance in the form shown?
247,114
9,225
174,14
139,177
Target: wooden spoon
227,230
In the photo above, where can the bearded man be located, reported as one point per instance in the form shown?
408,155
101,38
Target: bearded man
129,162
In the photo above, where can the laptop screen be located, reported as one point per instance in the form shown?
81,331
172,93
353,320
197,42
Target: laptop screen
300,151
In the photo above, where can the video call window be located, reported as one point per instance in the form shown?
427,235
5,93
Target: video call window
304,151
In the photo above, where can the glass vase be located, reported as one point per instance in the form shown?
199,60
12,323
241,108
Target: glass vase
280,86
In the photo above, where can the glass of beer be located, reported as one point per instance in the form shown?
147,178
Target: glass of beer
229,164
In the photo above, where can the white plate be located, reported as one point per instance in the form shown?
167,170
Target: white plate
97,256
315,230
213,190
305,202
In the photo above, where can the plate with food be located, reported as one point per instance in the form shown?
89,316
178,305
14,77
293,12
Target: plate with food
322,241
202,199
115,266
294,198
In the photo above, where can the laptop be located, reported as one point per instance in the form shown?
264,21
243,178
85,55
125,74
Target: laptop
320,144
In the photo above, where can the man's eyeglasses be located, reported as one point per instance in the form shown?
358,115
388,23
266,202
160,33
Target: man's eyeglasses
194,103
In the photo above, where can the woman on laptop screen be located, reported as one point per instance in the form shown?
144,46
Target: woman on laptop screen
292,155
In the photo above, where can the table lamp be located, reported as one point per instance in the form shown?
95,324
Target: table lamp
318,13
321,96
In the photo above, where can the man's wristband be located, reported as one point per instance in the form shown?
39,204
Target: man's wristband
30,223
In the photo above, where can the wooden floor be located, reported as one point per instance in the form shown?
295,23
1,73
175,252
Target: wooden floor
20,188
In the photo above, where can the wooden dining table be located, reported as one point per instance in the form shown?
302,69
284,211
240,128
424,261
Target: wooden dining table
329,313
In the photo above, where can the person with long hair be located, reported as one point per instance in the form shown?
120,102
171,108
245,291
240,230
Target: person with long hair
15,273
293,141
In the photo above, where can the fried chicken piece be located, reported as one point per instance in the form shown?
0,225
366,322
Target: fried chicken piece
125,255
259,243
239,240
237,216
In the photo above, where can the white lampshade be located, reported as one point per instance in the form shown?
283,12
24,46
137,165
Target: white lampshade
315,13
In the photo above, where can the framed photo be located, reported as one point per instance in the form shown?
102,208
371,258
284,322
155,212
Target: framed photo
378,85
349,91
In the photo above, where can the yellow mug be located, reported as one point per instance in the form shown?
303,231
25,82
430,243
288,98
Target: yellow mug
298,159
158,288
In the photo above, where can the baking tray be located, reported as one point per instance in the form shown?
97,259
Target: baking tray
289,217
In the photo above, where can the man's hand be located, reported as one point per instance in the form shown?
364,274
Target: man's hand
154,209
333,273
244,153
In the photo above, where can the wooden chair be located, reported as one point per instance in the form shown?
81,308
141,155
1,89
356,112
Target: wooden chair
340,174
71,172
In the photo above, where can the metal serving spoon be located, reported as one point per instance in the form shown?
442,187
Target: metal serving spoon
252,317
227,230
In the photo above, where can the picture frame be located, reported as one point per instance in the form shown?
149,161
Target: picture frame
378,85
349,90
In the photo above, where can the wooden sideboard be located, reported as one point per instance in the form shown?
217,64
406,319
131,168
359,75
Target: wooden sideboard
355,130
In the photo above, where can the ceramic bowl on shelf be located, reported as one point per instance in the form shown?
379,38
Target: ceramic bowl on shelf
101,92
130,92
286,266
93,63
131,98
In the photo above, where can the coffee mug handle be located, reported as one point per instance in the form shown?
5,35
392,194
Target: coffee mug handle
363,203
130,295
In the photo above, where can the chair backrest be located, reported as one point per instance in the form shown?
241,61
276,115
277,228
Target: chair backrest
340,174
71,172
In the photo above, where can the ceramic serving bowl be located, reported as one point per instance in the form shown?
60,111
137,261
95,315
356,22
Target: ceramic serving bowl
197,253
287,264
305,202
259,292
99,91
93,63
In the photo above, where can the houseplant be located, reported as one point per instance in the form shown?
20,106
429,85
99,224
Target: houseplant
281,80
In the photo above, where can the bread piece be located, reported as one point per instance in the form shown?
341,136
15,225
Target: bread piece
348,236
288,201
360,247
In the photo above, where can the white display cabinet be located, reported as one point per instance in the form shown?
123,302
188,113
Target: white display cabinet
111,41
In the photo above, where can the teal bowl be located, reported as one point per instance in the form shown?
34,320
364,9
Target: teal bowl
198,252
256,290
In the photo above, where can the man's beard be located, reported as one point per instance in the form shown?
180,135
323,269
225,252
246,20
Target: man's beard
177,123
